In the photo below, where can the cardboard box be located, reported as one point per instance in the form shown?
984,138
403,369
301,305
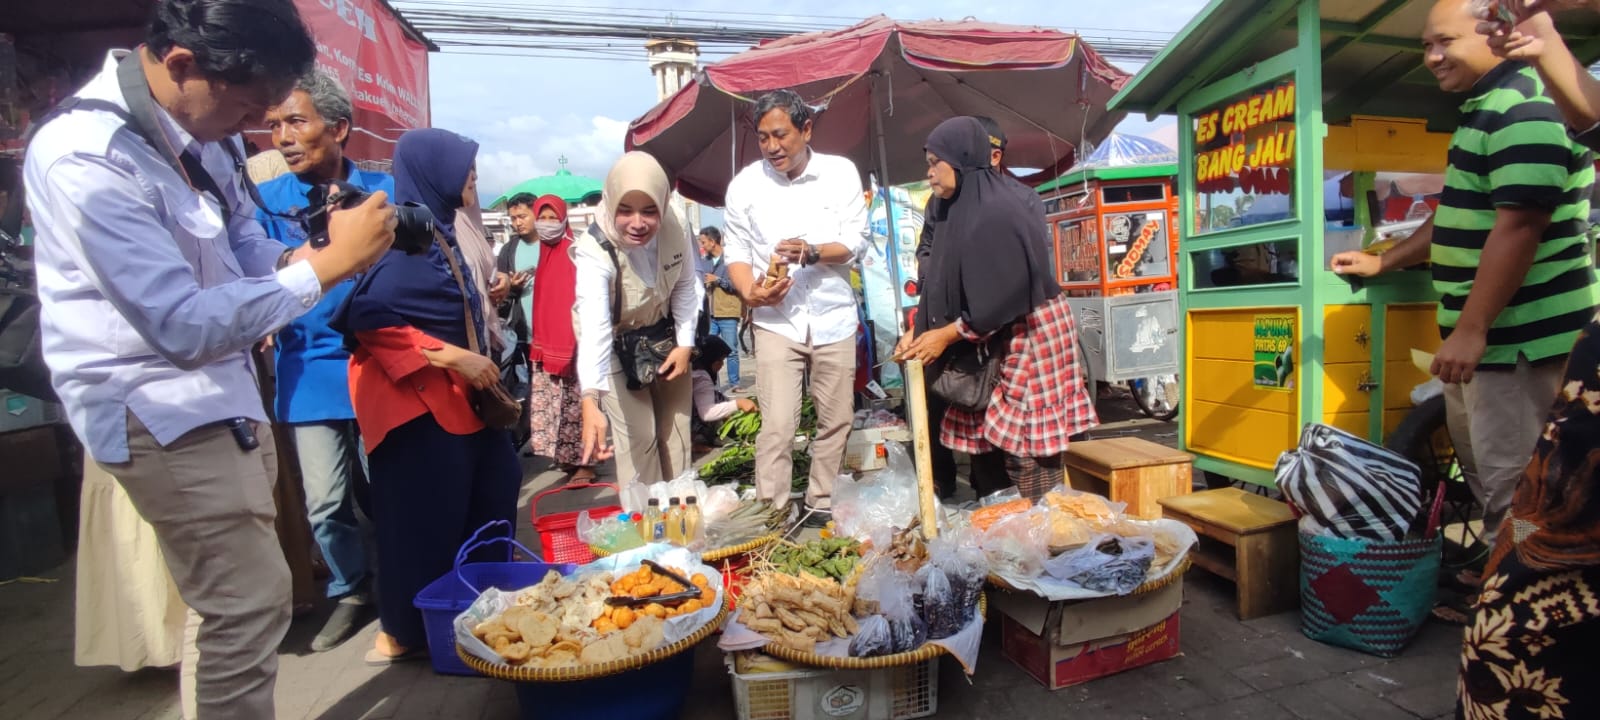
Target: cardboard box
1067,643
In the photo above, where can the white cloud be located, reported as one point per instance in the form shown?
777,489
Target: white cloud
528,146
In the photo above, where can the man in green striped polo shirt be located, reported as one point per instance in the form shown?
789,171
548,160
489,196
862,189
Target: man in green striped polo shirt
1509,253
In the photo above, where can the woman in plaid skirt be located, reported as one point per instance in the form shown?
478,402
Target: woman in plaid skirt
988,284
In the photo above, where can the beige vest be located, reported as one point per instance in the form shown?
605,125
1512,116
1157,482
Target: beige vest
643,306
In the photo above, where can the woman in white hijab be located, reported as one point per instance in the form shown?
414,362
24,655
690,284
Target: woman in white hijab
636,280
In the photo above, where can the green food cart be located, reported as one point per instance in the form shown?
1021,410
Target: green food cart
1295,117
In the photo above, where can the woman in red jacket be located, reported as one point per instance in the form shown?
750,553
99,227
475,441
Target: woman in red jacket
438,474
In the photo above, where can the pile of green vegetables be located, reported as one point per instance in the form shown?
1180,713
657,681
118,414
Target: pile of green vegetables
832,558
737,461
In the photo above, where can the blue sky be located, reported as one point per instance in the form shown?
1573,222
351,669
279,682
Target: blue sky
528,112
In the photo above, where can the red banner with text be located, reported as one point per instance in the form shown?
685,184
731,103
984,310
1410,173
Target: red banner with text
385,70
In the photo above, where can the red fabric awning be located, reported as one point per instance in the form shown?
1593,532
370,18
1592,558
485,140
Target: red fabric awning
1047,90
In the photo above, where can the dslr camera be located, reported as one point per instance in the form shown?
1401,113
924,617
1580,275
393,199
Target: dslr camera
413,233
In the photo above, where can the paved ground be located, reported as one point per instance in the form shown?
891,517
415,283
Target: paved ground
1229,669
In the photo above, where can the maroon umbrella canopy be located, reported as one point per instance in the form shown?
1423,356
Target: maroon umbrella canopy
1047,90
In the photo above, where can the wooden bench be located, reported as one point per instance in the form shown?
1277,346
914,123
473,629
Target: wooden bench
1129,470
1246,538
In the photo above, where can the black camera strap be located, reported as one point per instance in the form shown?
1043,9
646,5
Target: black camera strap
141,118
616,278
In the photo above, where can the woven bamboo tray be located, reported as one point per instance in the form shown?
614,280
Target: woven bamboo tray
1149,586
928,651
575,673
722,553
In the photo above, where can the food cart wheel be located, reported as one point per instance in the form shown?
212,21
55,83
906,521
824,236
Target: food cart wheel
1156,396
1424,437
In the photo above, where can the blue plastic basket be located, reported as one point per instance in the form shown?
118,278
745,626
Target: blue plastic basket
443,599
653,692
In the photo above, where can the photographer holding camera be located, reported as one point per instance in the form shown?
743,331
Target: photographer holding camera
310,129
432,411
155,280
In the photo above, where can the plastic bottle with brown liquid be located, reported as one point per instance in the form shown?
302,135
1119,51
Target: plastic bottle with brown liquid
674,522
691,521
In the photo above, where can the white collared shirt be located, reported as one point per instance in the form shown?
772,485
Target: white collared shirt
148,303
824,205
596,275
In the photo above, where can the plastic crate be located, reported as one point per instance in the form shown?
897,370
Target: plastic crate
898,693
455,591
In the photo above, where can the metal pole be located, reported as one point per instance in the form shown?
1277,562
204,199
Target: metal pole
892,238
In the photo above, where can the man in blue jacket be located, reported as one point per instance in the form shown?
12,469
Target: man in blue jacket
311,128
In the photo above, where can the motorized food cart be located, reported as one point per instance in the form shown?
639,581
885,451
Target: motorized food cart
1116,259
1275,100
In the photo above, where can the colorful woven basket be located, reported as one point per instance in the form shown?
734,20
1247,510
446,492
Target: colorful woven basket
1367,595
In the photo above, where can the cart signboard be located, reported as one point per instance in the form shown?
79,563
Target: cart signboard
1142,336
1080,251
1274,352
1243,164
1136,245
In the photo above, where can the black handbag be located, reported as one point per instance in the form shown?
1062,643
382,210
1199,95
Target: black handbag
641,351
494,405
967,374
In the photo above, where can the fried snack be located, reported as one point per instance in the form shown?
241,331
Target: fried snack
1092,509
646,633
536,628
1067,531
777,270
606,649
983,517
797,611
516,653
490,627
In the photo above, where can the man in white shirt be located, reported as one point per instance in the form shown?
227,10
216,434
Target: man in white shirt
155,280
806,211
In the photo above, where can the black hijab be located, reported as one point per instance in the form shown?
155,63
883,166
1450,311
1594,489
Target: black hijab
987,263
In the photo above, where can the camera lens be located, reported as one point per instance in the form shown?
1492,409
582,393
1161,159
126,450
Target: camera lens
413,233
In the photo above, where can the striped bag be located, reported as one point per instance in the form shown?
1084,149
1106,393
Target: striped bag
1366,595
1347,487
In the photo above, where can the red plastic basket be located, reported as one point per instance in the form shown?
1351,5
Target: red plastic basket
558,532
735,573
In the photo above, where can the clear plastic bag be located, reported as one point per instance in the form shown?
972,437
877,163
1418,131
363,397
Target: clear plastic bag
1019,544
884,597
588,529
907,630
939,608
872,639
1110,564
886,498
718,502
965,569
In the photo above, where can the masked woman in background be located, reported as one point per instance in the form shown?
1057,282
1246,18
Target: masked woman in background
555,408
415,325
988,282
636,279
